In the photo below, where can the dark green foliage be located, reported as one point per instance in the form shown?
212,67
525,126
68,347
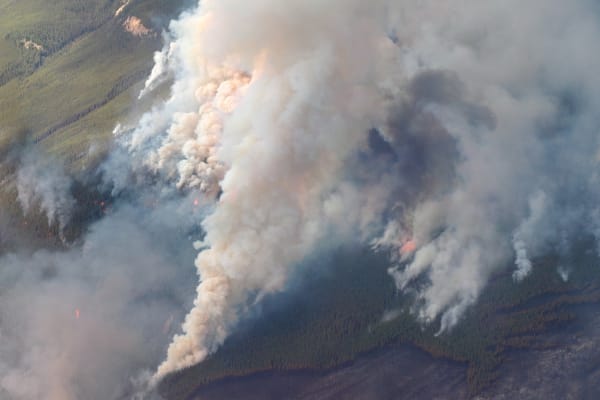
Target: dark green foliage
29,62
67,20
338,316
70,92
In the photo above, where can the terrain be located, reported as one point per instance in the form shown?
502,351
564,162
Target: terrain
355,310
566,367
70,70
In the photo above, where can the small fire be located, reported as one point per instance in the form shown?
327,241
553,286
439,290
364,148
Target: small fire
196,202
408,247
77,313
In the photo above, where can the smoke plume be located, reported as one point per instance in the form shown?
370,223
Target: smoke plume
44,184
460,137
263,123
455,136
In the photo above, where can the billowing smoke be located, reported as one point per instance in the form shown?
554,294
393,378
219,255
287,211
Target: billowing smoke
84,323
263,121
458,136
526,184
454,135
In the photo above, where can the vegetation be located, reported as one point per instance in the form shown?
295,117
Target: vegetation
67,60
69,72
38,31
338,316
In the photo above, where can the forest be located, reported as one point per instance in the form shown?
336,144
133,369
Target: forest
338,315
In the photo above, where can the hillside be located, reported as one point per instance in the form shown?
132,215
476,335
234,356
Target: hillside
335,317
69,69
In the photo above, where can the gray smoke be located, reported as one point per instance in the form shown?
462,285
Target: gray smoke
455,136
459,136
525,184
85,323
43,184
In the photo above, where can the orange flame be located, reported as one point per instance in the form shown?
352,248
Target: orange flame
408,247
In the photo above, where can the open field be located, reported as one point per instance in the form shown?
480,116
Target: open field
86,60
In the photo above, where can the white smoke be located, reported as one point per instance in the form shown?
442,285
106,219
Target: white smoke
160,71
544,140
522,262
529,231
44,184
85,323
486,143
564,273
277,111
460,136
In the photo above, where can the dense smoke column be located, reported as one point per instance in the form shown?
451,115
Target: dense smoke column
460,137
279,110
526,183
452,135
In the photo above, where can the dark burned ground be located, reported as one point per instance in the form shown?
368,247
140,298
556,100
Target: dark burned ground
569,368
382,375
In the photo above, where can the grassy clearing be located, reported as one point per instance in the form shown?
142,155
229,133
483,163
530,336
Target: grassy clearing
88,65
68,94
80,76
39,29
